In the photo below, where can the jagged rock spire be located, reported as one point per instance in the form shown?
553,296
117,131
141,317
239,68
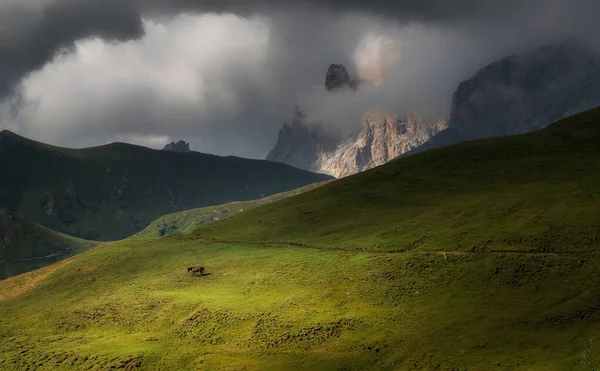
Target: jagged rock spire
338,78
180,146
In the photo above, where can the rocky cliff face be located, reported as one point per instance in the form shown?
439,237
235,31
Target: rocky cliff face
380,139
302,146
523,93
180,146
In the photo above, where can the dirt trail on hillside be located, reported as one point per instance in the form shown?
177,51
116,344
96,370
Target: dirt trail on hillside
384,252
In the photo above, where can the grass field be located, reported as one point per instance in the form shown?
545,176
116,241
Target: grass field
133,305
482,256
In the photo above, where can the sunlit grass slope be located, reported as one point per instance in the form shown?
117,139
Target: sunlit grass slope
186,221
25,245
361,297
133,305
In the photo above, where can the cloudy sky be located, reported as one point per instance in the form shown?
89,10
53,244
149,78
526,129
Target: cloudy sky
225,74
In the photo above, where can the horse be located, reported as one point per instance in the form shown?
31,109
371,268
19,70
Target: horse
195,270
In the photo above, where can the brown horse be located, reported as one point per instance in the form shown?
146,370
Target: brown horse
195,270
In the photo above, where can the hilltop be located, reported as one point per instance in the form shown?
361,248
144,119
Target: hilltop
25,245
480,256
113,191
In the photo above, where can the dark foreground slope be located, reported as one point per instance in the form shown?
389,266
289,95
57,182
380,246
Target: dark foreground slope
483,256
114,191
25,245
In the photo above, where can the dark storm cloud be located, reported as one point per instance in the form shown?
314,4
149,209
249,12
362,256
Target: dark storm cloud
32,36
414,10
45,27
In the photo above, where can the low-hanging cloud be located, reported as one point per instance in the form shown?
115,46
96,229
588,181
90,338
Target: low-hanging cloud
86,72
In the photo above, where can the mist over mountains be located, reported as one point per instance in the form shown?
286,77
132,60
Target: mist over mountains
517,94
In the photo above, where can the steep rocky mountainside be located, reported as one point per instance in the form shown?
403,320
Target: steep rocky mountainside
381,137
114,191
522,93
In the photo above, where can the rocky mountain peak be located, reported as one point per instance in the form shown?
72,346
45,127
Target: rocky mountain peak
180,146
508,95
382,137
522,93
337,77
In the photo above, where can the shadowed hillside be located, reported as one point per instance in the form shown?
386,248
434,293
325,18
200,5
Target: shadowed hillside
187,221
25,245
114,191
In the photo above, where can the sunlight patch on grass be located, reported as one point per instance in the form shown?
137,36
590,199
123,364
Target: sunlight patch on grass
15,287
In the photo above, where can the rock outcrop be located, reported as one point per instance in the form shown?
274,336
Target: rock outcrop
302,146
180,146
382,138
337,77
522,93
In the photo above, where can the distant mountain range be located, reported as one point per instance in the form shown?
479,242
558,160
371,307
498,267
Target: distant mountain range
517,94
114,191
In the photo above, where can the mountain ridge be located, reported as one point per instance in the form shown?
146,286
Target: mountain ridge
113,191
521,93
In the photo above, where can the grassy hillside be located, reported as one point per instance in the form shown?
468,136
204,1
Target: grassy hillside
186,221
534,192
114,191
25,245
395,277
